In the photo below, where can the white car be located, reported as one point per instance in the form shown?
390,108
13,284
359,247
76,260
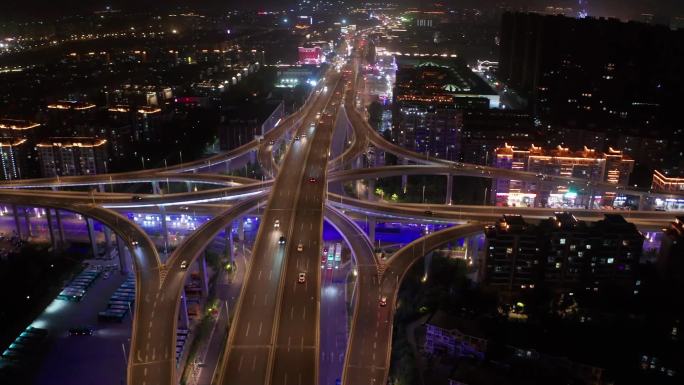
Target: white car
276,224
300,247
184,265
383,301
301,278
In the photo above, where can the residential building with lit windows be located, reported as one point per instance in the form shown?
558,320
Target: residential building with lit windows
664,183
72,156
511,255
611,167
70,118
14,154
668,182
430,95
561,253
599,82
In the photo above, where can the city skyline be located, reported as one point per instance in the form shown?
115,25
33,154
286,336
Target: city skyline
333,194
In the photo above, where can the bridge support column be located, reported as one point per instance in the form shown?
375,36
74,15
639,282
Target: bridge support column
371,189
17,223
27,218
230,248
404,178
473,250
241,229
426,267
92,236
372,223
183,320
107,237
121,250
449,188
189,186
60,227
48,218
204,279
642,203
164,228
155,188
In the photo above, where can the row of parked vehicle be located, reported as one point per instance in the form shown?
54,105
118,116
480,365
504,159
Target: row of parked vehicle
78,286
120,302
24,348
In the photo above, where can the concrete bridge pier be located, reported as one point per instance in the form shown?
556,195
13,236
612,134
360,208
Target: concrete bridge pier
121,250
108,244
17,223
230,248
241,229
48,218
188,185
204,278
371,189
60,228
156,190
426,266
404,178
473,249
164,228
27,218
372,223
449,188
92,236
642,202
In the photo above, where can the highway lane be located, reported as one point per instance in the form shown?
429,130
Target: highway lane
364,263
370,345
122,178
359,140
152,353
295,357
461,213
248,358
127,200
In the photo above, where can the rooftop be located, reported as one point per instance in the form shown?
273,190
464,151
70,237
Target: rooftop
19,125
73,142
70,105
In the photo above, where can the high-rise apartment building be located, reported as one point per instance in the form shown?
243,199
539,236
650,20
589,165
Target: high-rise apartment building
599,75
72,156
14,154
429,97
561,253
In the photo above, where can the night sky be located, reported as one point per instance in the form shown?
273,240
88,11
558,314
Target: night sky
41,8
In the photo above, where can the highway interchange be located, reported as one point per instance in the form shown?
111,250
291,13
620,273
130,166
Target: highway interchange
274,337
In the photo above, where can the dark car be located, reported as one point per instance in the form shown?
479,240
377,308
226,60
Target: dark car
81,331
136,198
428,213
281,241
